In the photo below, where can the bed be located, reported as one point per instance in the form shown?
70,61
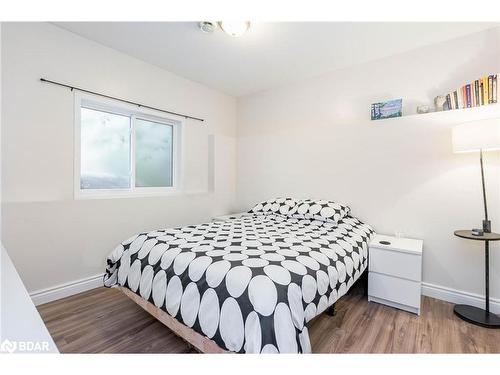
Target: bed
248,284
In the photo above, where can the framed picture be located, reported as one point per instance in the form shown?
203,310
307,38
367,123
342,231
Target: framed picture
388,109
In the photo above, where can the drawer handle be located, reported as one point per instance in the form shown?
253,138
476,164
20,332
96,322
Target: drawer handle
384,242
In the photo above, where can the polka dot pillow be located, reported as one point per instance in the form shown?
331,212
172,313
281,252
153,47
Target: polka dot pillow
284,206
323,210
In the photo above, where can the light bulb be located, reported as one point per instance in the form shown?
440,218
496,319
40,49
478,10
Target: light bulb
234,28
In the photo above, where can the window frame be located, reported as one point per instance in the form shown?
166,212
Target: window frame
98,103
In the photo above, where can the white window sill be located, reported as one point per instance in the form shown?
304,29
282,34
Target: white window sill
86,195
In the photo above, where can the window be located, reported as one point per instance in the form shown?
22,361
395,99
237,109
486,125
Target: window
123,151
105,150
153,154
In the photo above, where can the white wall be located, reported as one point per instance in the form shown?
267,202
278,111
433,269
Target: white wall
51,237
314,138
308,139
0,130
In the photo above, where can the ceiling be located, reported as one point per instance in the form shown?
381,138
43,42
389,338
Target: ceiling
270,54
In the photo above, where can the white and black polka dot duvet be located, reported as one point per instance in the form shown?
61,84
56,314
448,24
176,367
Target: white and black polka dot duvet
250,284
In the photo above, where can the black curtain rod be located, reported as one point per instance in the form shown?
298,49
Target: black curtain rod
121,100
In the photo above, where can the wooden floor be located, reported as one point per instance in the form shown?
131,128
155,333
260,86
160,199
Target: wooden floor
106,321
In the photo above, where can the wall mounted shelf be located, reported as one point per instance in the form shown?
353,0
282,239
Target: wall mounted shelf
460,115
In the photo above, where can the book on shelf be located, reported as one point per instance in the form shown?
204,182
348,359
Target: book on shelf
484,85
468,99
494,88
490,89
481,91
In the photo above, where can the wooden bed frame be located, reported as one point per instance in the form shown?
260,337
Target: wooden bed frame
201,343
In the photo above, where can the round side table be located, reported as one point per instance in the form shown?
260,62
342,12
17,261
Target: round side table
476,315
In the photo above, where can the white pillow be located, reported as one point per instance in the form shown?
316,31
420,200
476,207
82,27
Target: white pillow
323,210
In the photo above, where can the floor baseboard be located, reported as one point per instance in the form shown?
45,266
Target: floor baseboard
459,296
431,290
65,290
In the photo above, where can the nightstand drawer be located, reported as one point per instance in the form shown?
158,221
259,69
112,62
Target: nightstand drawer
400,291
393,263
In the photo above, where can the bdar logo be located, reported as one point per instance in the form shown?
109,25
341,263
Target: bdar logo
8,346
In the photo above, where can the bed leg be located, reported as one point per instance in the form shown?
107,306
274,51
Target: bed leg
331,310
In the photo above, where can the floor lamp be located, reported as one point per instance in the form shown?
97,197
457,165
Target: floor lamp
479,137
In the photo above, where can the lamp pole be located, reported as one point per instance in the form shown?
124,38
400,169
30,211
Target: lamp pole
486,229
486,222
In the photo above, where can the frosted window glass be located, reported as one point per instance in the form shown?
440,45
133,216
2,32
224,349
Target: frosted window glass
105,150
153,154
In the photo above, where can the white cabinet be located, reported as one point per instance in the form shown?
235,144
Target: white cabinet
395,272
21,322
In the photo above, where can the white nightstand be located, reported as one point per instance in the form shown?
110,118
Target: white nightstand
231,216
395,272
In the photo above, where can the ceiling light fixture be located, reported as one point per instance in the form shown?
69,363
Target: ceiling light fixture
207,26
234,28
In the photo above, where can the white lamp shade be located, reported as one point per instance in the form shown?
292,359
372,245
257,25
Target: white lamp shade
477,135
